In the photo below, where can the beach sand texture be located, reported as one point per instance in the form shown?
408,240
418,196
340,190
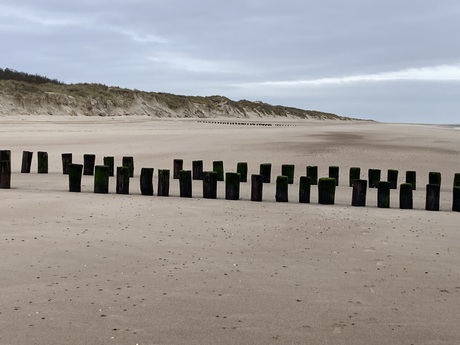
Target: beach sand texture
85,268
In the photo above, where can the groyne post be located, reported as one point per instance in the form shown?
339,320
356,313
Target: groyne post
163,182
185,183
42,162
282,184
334,173
383,194
101,179
265,171
89,161
128,161
288,170
178,165
210,185
374,177
355,174
304,189
406,196
26,162
232,186
74,171
197,170
257,184
359,193
411,177
326,191
242,169
146,181
110,162
66,161
122,180
433,193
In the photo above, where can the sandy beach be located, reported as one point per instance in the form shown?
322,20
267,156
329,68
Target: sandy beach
85,268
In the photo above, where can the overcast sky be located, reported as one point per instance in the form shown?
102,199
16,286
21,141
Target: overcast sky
392,60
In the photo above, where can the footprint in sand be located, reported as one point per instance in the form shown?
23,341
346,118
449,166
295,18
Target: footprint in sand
370,249
337,328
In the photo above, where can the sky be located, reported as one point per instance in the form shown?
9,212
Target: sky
391,61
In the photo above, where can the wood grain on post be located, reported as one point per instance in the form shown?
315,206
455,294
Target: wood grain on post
257,184
433,193
26,162
89,160
42,162
288,170
122,180
242,169
101,179
74,171
282,189
383,194
66,161
146,181
185,183
304,189
178,165
210,185
359,193
163,182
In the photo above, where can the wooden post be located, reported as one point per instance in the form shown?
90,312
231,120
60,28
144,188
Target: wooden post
392,177
101,179
146,181
433,192
185,183
128,162
242,169
110,162
178,165
74,171
88,164
210,185
265,171
5,174
374,177
326,191
434,177
312,173
406,196
456,199
304,189
232,186
122,180
355,174
383,194
288,170
457,180
5,155
282,191
411,177
257,184
42,162
26,162
359,193
163,182
218,167
197,170
66,161
334,173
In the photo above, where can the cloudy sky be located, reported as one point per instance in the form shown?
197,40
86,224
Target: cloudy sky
392,60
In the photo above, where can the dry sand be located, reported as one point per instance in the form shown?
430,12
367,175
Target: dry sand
85,268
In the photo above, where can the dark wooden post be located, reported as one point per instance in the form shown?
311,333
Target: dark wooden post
257,184
218,167
288,170
5,155
406,196
128,161
232,186
312,173
101,179
374,177
210,185
197,170
456,199
122,180
434,177
185,183
74,171
146,181
334,173
411,177
66,161
392,177
178,165
242,169
110,162
5,174
326,191
282,191
304,189
383,194
265,171
42,162
355,174
457,180
359,193
26,162
433,192
163,182
89,161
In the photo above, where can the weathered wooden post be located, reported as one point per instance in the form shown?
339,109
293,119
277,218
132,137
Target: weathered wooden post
392,177
312,173
122,180
26,162
66,161
359,193
326,191
288,170
304,189
411,177
434,177
355,174
433,193
5,155
406,196
5,174
146,181
178,165
456,199
374,177
242,169
334,173
457,180
257,184
89,161
218,167
101,179
185,183
163,182
197,170
210,185
74,171
265,171
383,194
128,161
282,191
232,186
110,162
42,162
